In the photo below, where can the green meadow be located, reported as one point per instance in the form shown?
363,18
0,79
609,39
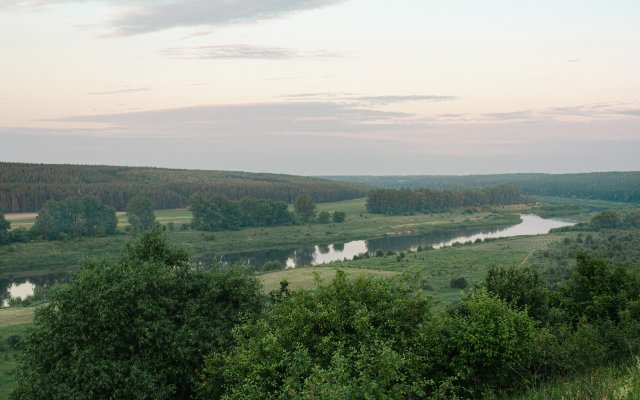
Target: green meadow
45,257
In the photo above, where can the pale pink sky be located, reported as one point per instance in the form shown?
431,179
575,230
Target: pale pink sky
323,86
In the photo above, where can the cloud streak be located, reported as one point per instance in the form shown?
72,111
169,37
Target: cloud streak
371,100
120,91
243,51
143,16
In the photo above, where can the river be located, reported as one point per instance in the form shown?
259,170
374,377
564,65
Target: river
321,254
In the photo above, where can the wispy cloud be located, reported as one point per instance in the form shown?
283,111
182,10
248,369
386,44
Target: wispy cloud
370,100
594,111
142,16
243,51
119,91
245,120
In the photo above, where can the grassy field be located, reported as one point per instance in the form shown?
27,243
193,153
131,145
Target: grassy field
16,316
28,259
309,277
620,382
436,268
8,363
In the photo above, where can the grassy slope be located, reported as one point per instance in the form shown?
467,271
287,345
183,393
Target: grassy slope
24,259
308,277
439,267
8,364
618,382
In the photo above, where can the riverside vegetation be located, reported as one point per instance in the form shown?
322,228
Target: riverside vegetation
349,337
544,310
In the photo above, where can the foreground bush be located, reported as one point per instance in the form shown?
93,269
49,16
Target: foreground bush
134,330
349,339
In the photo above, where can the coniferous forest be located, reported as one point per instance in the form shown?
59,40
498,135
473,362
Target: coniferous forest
27,187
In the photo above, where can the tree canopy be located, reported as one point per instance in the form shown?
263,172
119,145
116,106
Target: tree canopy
75,217
140,213
136,329
407,201
305,208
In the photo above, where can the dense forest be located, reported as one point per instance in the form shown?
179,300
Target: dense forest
407,201
610,186
27,187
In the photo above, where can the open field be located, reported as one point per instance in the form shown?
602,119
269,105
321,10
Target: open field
8,362
24,259
436,268
308,277
16,316
618,382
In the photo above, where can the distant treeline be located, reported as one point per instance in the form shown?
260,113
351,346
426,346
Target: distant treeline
27,187
220,213
408,201
610,186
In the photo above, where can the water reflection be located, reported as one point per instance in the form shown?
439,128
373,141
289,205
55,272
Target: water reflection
321,254
274,259
25,288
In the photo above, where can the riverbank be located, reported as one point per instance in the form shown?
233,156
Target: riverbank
44,258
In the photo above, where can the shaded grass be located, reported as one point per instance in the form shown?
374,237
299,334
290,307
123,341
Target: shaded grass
16,316
40,257
620,382
436,268
308,277
8,362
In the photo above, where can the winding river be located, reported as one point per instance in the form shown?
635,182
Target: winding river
321,254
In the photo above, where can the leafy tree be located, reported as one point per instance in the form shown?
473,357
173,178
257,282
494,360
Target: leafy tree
136,329
305,208
605,219
597,290
338,217
4,228
522,288
324,217
348,339
75,217
140,213
485,344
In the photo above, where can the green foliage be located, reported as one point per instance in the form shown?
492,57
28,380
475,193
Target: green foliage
324,217
75,217
140,213
350,338
26,187
338,217
220,213
5,226
609,186
597,290
605,219
486,345
407,201
305,208
522,288
459,283
134,329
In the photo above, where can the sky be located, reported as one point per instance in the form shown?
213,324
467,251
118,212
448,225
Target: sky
323,87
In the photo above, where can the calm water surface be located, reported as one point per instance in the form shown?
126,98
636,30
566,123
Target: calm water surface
321,254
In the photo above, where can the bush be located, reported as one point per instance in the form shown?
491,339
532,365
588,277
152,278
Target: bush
134,329
350,338
324,217
339,217
459,283
488,345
